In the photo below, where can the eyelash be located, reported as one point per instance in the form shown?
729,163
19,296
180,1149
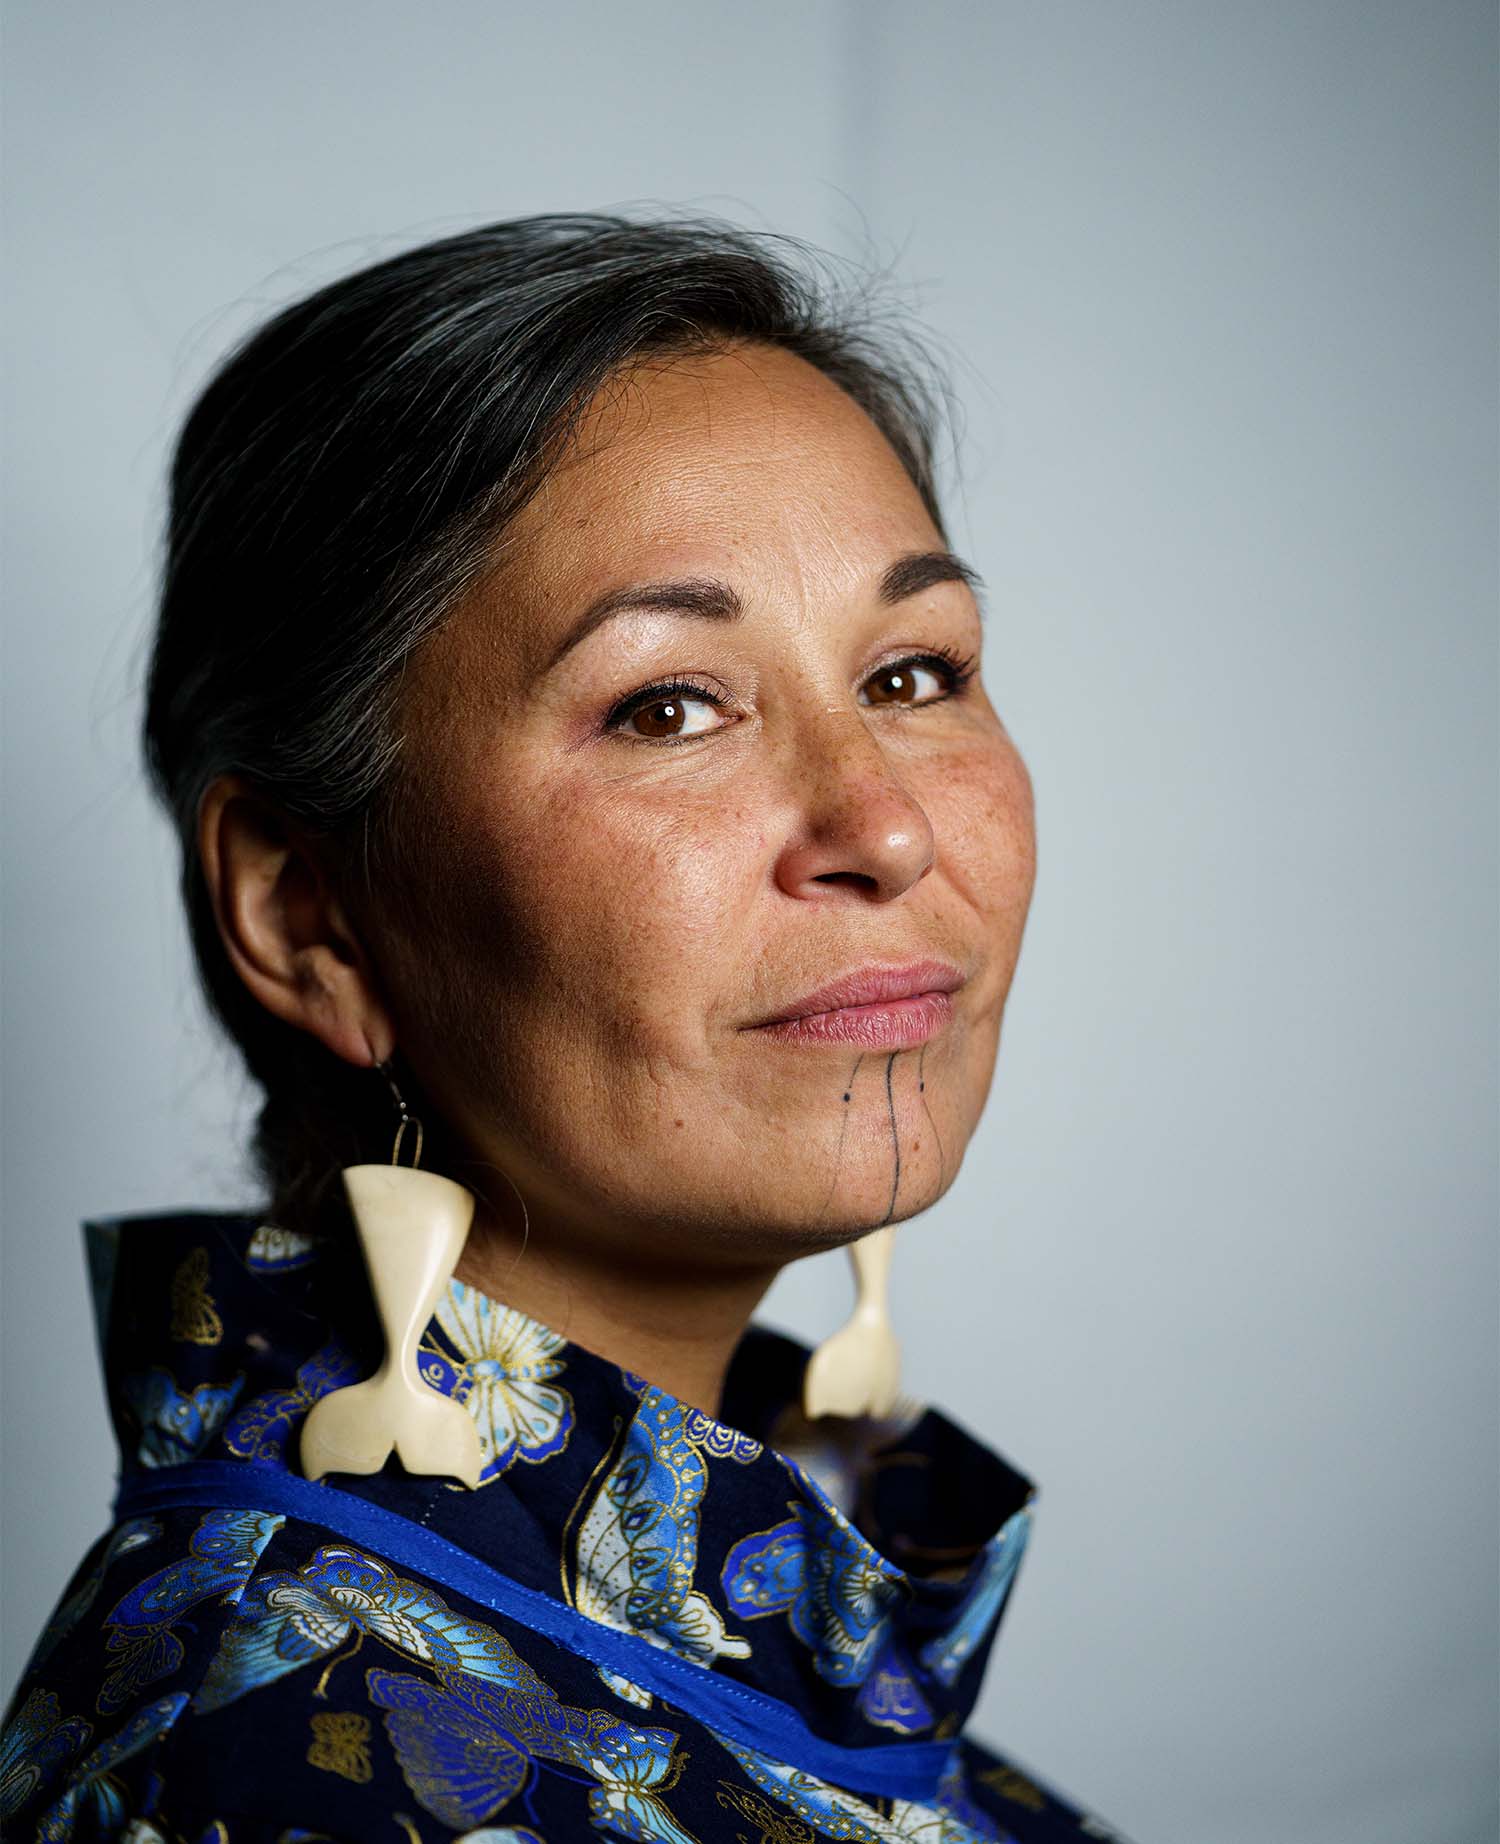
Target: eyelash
959,668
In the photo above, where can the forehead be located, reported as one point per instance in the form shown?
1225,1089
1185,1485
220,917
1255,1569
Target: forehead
748,454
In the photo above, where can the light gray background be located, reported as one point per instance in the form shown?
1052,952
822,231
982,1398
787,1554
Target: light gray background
1220,283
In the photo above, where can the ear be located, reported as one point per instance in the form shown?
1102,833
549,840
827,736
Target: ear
283,926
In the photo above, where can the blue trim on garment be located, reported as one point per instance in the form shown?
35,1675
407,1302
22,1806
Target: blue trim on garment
899,1770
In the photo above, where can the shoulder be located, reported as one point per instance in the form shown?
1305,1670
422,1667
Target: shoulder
236,1676
233,1677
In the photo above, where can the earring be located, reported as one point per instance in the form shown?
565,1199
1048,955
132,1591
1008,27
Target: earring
412,1228
857,1370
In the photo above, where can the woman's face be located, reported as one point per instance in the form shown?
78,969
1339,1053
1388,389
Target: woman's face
616,885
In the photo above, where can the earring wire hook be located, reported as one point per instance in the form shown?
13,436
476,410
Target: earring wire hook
407,1118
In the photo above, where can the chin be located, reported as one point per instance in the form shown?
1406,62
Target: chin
776,1226
876,1198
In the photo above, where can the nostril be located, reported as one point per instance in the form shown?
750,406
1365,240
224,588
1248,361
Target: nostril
846,877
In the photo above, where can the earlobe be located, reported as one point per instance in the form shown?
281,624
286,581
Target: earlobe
282,925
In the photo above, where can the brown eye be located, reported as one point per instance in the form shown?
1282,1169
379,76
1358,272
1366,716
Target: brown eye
899,686
664,718
665,714
899,683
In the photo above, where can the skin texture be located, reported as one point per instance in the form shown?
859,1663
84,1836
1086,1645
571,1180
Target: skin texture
593,916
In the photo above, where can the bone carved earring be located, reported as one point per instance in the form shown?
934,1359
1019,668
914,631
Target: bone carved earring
857,1370
412,1228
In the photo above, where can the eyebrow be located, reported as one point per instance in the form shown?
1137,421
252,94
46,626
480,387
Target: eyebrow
707,599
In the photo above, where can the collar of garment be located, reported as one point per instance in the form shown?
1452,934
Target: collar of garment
854,1569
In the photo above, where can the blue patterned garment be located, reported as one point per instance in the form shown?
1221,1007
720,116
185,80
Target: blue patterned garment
644,1623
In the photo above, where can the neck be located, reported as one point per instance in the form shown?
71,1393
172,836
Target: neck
676,1328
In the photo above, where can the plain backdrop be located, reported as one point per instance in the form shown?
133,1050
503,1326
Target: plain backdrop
1218,285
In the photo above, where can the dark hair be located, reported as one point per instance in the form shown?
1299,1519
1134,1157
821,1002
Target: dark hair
343,478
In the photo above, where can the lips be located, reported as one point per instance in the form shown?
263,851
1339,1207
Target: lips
872,986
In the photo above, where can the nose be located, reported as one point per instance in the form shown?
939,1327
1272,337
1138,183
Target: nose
861,828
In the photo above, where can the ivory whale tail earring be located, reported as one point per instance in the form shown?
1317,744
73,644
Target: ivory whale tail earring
857,1371
412,1228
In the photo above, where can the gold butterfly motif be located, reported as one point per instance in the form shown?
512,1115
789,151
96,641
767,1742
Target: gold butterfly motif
774,1827
1010,1784
195,1320
341,1745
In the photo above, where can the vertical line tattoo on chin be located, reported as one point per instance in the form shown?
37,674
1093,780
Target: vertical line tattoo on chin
922,1092
838,1157
890,1102
848,1096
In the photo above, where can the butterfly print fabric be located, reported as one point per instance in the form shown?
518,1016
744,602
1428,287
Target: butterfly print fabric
645,1623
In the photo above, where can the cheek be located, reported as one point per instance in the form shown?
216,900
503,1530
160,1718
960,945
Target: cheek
620,910
986,831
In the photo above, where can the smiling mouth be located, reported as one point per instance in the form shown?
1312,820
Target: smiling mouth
887,1024
875,1006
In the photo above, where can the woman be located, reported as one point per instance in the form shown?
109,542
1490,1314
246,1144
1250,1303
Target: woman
568,707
